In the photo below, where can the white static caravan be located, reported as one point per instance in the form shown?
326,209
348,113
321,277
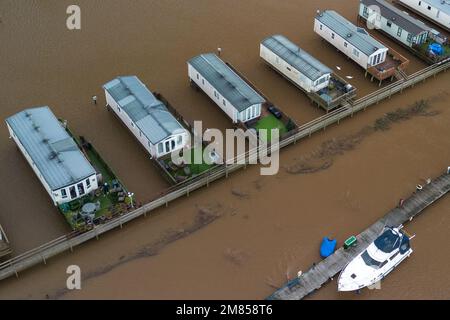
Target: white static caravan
295,64
394,22
145,116
351,40
437,11
227,89
56,159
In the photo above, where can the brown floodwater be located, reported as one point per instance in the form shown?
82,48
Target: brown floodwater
264,233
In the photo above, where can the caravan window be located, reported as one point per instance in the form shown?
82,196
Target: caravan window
80,189
73,192
63,193
172,144
167,146
160,148
366,12
179,140
355,52
399,32
88,183
409,39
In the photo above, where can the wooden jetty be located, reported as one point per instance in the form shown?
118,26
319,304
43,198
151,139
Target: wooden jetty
321,273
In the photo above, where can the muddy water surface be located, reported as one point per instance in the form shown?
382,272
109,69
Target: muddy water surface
245,235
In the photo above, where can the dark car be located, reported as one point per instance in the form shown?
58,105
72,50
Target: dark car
273,110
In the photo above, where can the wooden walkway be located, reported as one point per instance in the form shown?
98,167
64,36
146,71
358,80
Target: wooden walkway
322,272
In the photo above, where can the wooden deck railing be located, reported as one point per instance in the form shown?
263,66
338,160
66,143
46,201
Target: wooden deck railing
381,75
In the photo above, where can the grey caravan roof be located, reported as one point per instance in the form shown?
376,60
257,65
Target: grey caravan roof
296,57
441,5
358,37
149,114
51,148
398,17
232,87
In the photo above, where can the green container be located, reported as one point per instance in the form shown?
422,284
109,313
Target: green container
350,242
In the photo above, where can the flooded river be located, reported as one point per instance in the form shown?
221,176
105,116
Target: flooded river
263,229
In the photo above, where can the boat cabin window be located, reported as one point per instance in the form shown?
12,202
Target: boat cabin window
404,246
396,254
370,261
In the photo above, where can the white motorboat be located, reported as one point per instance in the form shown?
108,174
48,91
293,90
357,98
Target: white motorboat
377,261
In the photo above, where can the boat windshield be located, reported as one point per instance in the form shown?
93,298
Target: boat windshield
404,247
370,261
388,241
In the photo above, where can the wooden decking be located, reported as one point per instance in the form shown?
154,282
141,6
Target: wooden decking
386,70
322,272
